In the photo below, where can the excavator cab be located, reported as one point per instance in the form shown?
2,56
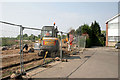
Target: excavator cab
49,31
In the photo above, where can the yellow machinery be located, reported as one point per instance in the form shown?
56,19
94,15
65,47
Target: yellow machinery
49,41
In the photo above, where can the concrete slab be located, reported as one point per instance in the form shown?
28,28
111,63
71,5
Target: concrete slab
103,64
95,63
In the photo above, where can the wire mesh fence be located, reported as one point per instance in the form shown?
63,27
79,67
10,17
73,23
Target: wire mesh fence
21,45
10,48
81,42
9,35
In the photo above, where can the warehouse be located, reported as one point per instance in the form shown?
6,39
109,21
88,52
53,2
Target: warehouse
112,31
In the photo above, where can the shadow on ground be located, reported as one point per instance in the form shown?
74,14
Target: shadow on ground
74,57
87,56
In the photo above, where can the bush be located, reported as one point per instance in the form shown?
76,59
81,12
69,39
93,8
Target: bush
102,42
8,41
88,43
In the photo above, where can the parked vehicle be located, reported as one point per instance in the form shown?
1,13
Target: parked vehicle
117,45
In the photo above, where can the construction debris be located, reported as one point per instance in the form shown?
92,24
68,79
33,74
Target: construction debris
4,48
15,76
57,59
64,60
31,50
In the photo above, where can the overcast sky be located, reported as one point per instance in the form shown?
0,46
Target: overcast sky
64,14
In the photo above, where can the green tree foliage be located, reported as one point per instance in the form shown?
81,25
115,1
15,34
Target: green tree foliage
96,38
85,29
78,31
95,28
31,37
103,33
88,42
18,37
6,41
25,35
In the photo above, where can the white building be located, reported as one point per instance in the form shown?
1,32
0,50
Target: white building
113,30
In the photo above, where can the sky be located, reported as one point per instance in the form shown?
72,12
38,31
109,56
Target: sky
66,15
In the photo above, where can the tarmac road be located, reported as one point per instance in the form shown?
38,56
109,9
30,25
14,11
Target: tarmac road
97,62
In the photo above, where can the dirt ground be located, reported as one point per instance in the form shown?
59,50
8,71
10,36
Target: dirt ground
14,51
11,57
6,61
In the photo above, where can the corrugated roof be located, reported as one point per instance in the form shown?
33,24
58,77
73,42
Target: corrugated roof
112,18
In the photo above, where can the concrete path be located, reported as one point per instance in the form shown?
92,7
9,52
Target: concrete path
93,63
103,64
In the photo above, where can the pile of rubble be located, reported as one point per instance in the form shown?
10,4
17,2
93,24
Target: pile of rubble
10,47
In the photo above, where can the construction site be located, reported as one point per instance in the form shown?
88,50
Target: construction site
58,41
26,58
28,54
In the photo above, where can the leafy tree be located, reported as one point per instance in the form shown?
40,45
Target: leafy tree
103,33
32,37
95,27
18,37
85,29
7,41
25,35
78,31
96,34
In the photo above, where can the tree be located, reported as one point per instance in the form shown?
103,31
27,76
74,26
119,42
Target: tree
103,33
96,34
95,28
18,37
78,31
32,37
85,29
25,35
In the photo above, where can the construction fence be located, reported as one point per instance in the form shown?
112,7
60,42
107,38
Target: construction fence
20,45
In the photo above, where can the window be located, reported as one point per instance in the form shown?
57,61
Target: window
113,38
113,26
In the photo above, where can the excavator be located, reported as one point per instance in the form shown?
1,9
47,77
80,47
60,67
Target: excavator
49,41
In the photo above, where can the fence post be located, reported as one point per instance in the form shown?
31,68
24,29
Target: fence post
20,50
85,42
61,47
